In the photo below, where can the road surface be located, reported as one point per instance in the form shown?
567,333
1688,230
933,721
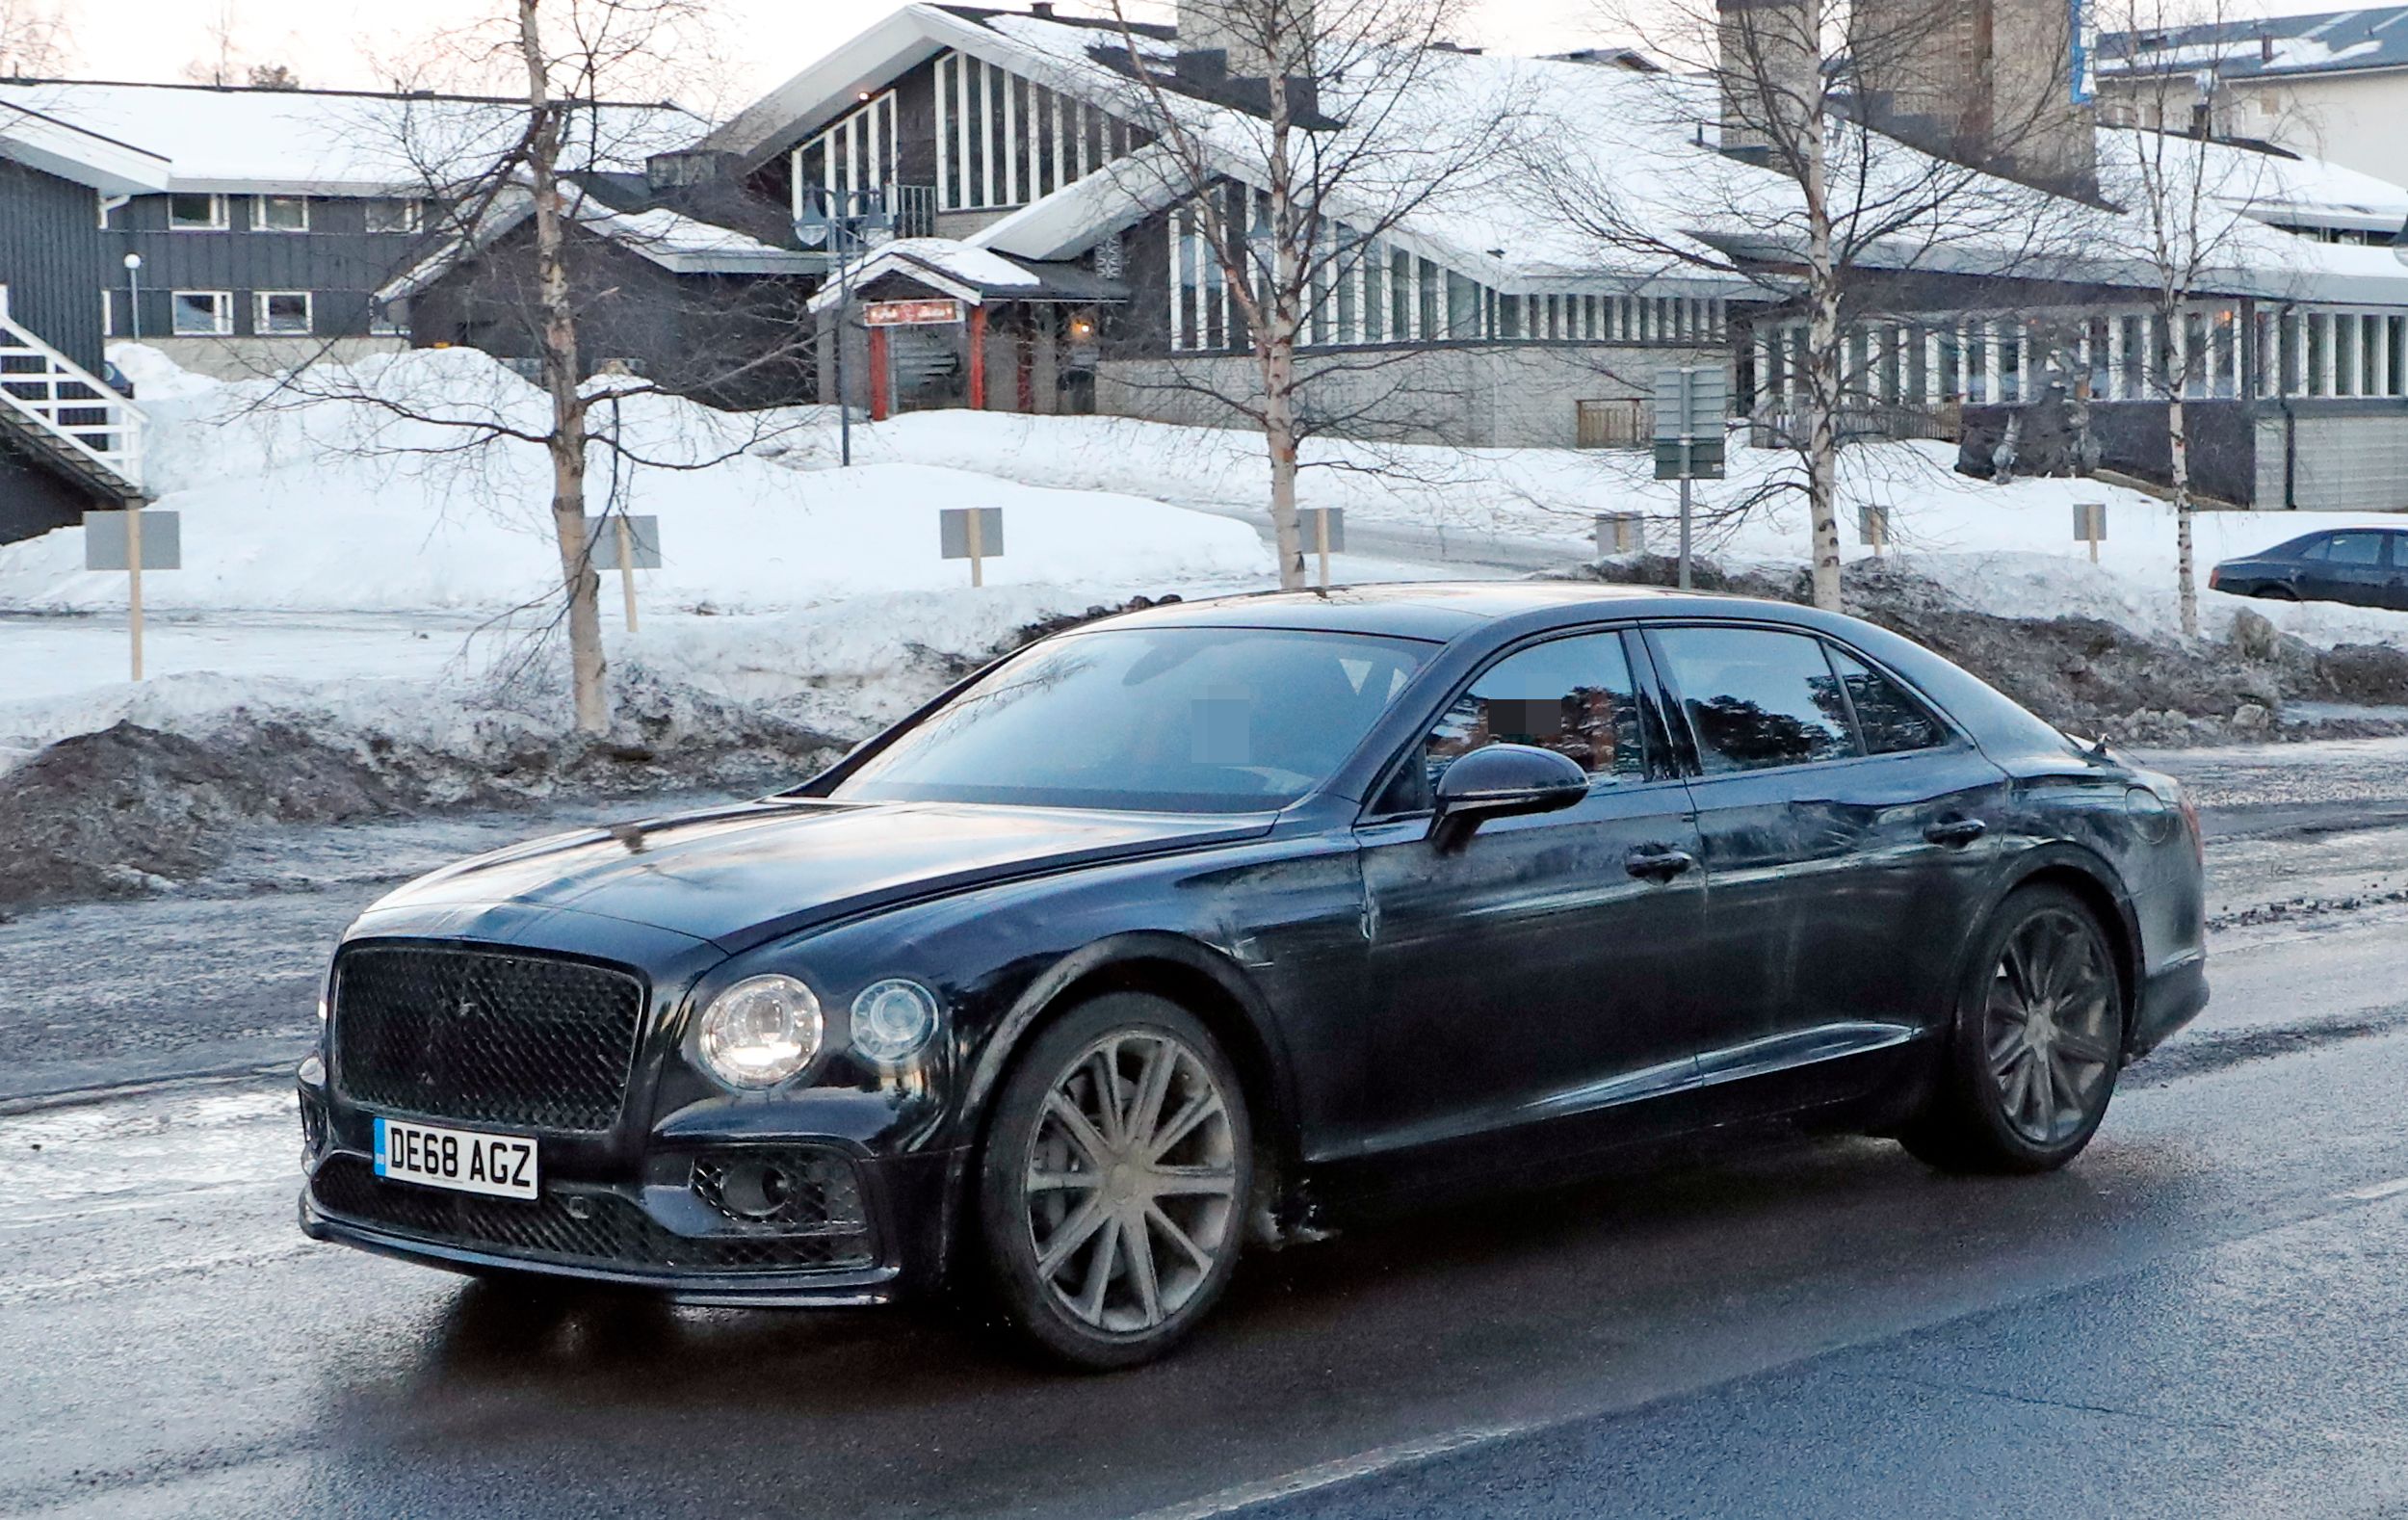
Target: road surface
2201,1318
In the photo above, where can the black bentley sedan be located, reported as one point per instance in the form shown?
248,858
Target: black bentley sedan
1211,923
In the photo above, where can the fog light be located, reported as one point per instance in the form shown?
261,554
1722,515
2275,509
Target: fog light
892,1020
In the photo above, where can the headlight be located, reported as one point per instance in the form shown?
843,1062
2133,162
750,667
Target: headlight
892,1020
760,1032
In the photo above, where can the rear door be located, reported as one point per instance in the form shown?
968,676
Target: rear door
1846,827
2351,567
1529,977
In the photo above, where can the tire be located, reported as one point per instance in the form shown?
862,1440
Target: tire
2278,593
2043,1003
1111,1213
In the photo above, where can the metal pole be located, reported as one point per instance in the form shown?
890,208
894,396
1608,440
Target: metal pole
1685,524
134,301
844,313
978,547
134,588
626,566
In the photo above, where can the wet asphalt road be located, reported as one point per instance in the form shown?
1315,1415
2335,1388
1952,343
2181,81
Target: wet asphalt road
2202,1318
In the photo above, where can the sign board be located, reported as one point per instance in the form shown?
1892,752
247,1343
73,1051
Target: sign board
2084,73
953,529
1690,405
105,540
912,314
2090,522
1872,525
643,541
1621,532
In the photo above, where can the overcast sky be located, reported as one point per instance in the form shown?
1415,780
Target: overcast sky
339,43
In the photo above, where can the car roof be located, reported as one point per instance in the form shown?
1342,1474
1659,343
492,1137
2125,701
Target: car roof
1445,611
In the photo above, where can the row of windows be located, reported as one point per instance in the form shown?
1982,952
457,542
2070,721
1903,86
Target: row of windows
1371,292
274,313
2130,355
192,212
1754,698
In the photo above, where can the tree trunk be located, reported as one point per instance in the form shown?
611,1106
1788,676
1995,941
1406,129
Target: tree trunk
1824,378
1279,342
566,442
2185,567
1279,432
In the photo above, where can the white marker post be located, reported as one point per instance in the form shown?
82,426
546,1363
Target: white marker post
631,544
133,540
1329,527
2090,526
975,534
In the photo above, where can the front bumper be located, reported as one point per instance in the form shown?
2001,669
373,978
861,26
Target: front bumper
2170,999
872,1232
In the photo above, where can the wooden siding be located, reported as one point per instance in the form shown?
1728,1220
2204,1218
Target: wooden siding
34,501
338,261
52,259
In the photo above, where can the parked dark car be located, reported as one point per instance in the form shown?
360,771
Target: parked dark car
2363,567
1226,921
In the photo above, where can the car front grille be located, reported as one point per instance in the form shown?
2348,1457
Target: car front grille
483,1036
595,1229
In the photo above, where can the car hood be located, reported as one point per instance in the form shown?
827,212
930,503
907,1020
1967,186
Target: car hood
740,876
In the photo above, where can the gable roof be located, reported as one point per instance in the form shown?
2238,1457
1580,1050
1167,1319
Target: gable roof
2277,47
676,242
41,141
226,140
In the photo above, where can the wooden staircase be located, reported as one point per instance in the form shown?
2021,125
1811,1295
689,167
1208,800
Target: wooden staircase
62,417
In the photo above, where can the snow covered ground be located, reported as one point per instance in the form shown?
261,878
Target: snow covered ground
339,574
2008,550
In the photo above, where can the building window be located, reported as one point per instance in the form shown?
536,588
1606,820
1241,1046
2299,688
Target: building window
197,213
203,313
280,214
393,215
280,313
108,314
389,319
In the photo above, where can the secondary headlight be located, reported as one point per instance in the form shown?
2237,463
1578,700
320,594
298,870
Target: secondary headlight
892,1019
760,1032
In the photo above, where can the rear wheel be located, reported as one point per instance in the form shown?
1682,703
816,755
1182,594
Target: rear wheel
2278,593
2038,1043
1115,1182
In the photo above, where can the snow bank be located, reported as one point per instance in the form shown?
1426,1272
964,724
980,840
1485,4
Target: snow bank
2008,550
332,494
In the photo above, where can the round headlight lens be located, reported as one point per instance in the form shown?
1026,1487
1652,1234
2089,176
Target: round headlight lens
892,1020
760,1032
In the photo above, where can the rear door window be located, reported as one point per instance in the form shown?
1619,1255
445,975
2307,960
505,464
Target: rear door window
2361,549
1757,699
1891,719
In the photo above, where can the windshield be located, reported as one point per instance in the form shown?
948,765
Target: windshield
1151,720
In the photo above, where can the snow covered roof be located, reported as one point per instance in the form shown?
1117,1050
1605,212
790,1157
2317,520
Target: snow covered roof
968,273
2271,185
1653,138
43,142
678,242
2283,46
300,141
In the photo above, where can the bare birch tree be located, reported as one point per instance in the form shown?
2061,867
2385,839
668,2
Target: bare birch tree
33,38
1827,95
1335,123
2191,198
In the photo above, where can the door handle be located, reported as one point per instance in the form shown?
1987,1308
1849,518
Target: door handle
1659,864
1956,832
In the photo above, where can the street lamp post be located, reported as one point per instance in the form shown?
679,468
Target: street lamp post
134,295
846,225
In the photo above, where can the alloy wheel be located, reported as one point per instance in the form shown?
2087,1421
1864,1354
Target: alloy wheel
2050,1027
1130,1181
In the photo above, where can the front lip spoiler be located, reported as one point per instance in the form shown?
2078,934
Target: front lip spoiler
863,1288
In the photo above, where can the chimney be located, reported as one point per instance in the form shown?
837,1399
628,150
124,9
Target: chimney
1989,82
1246,34
2266,48
1771,71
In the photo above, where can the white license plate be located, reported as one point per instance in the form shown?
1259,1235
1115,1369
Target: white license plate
498,1166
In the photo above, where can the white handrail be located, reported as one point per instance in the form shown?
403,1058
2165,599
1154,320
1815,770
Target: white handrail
121,432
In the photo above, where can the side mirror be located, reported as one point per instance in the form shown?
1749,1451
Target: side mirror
1503,781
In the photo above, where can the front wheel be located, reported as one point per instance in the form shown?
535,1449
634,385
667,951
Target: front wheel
1115,1182
2038,1043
